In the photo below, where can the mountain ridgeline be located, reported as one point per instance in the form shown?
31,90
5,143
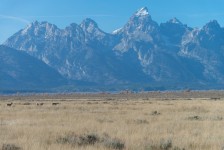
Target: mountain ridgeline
142,54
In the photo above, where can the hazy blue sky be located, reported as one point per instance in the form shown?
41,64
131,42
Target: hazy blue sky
109,14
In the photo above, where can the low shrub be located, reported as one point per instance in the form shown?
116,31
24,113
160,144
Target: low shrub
112,143
155,113
91,139
10,147
164,145
87,139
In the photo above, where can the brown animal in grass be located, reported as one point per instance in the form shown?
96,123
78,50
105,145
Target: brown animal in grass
40,104
9,104
55,104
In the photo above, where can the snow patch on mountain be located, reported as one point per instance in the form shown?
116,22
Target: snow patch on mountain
117,31
142,12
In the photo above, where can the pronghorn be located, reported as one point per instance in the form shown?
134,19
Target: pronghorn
40,104
9,104
55,103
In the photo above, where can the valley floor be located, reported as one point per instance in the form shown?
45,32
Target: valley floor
147,121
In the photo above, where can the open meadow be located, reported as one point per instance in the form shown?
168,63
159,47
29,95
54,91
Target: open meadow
146,121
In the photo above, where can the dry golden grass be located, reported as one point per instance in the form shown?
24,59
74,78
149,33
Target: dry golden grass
140,124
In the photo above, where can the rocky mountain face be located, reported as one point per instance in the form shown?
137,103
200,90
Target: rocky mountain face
19,71
142,52
206,45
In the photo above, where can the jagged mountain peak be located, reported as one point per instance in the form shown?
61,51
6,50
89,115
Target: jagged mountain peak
32,25
35,23
92,30
88,23
140,21
73,25
175,21
212,28
173,30
40,24
142,12
212,24
36,26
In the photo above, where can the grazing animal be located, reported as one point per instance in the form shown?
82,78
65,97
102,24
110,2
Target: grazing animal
55,103
40,104
9,104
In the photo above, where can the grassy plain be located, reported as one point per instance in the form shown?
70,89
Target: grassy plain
147,121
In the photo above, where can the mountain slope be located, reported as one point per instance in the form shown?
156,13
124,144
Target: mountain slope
207,46
20,71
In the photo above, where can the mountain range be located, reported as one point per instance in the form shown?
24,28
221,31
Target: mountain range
142,54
